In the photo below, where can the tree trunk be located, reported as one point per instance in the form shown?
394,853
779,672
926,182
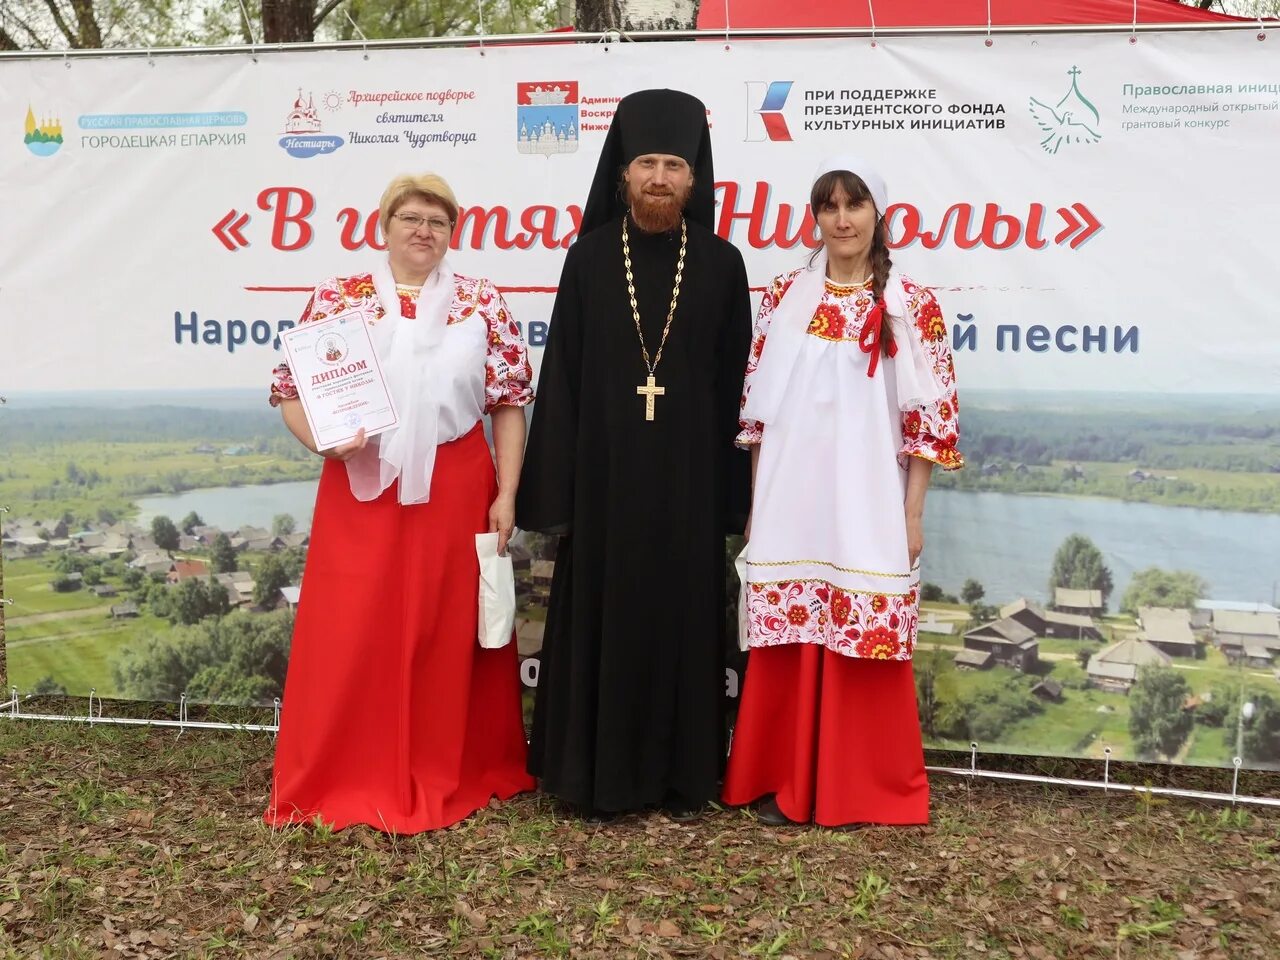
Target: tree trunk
88,33
288,21
636,14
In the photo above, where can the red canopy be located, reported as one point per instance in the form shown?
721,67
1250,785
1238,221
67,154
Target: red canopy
945,13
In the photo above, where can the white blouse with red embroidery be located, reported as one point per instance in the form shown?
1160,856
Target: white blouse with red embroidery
828,560
496,372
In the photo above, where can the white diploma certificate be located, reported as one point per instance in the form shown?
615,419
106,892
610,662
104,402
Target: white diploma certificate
335,368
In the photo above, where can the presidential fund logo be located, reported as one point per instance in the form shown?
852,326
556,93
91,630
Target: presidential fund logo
1073,119
43,137
302,134
765,100
547,117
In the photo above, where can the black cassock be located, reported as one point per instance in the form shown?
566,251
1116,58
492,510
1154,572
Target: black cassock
629,707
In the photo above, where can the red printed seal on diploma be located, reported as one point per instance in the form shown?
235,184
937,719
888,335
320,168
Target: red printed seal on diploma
339,380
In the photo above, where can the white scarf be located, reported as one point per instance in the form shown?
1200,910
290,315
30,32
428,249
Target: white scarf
407,350
916,383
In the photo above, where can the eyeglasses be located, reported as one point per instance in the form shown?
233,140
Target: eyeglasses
413,222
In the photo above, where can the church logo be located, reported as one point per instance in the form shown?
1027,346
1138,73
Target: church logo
332,349
765,119
43,137
302,134
547,120
1073,119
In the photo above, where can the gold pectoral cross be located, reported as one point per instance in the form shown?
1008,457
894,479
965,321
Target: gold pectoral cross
649,391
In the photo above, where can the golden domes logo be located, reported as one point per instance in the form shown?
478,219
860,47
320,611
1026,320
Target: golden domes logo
44,139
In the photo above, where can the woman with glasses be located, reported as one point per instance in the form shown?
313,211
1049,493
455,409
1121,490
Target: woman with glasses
393,714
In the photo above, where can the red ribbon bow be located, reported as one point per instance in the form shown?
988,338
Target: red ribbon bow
869,341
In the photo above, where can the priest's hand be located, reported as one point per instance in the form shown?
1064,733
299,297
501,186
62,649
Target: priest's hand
345,451
915,538
502,518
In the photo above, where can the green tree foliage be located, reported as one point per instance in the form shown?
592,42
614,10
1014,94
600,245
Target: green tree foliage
93,575
132,577
1223,704
1078,565
930,592
972,591
240,658
1083,655
83,24
159,599
193,600
1158,720
983,711
1262,730
1154,587
270,576
222,555
928,696
190,522
164,533
282,524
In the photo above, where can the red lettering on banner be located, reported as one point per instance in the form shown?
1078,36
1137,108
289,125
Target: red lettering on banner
479,218
1035,220
545,227
768,225
349,218
806,234
575,217
280,200
997,231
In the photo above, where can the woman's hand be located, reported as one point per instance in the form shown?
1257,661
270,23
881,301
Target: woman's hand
345,451
502,518
915,539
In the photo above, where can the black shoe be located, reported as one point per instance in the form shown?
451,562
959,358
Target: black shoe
849,827
592,815
679,813
771,815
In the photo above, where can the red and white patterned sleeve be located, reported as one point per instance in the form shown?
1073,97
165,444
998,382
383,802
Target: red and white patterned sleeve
752,431
508,378
931,432
320,304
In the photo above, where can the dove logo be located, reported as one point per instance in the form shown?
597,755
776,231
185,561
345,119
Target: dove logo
766,121
1073,119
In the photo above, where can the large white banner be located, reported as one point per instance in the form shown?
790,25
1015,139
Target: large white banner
1097,216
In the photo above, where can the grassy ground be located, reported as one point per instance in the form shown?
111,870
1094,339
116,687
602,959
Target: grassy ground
27,582
135,842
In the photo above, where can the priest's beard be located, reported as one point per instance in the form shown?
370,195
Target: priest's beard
658,209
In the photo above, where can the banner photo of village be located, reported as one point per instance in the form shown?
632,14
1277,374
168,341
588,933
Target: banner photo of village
1102,575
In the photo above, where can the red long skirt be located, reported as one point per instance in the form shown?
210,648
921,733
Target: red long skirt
393,715
837,739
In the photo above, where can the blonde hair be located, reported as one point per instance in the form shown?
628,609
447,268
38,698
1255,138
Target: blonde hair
430,187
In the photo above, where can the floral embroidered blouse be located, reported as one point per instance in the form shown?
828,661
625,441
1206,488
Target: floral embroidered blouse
507,375
927,432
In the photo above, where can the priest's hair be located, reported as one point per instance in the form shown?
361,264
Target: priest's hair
854,187
430,187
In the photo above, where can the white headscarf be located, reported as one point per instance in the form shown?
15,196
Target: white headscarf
913,371
408,352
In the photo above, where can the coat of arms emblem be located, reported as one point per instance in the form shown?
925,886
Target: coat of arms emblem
547,117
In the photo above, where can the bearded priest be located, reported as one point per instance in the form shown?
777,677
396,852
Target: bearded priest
631,462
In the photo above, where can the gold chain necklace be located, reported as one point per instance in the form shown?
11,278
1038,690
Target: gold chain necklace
650,389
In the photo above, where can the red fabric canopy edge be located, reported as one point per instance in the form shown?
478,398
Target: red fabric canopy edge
948,13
